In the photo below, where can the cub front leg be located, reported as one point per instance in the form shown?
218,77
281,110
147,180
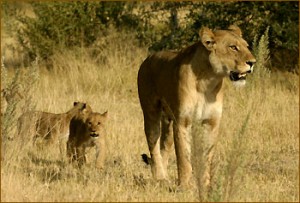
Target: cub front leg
80,156
100,154
71,151
76,154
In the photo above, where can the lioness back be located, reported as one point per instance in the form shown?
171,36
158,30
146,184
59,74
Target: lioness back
87,131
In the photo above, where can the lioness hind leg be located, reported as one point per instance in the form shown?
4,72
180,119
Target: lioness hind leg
166,140
152,130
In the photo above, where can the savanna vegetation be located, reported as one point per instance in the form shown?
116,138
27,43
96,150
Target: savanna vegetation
55,53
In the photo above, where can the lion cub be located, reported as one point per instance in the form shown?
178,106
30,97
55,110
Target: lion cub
49,127
87,132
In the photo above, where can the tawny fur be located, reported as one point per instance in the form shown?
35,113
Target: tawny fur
48,127
85,132
177,87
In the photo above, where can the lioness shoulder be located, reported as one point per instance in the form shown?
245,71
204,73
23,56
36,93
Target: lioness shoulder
87,131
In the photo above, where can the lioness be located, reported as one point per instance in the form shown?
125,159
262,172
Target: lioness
176,87
49,127
87,132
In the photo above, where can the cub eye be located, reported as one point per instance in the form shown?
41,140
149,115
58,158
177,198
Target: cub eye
234,48
90,123
99,123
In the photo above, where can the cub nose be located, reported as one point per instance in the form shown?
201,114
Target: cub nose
93,133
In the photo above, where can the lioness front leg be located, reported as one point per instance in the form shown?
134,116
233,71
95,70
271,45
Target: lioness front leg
182,139
210,130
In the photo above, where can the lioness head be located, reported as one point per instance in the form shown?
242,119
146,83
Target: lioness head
95,124
229,53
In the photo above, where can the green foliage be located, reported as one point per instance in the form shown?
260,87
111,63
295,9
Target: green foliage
59,24
11,88
155,24
18,96
262,55
68,24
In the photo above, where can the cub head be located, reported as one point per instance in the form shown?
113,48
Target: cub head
95,124
83,108
229,54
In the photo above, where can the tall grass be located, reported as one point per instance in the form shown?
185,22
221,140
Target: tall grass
254,127
256,156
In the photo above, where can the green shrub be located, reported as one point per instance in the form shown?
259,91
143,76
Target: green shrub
69,24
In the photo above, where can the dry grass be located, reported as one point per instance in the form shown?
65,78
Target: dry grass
257,154
261,154
109,85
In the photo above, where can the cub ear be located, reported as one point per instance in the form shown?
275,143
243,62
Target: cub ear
105,114
83,106
207,38
235,29
75,103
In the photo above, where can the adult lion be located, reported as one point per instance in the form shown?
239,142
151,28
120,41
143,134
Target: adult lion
49,127
87,131
176,87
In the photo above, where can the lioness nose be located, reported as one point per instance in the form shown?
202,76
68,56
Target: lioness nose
251,63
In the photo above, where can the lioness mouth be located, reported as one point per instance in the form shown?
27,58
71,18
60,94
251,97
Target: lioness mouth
94,135
235,76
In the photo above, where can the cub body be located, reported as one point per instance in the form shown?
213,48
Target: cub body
85,132
49,127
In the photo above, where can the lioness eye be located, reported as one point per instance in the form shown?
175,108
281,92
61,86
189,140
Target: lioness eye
99,123
234,48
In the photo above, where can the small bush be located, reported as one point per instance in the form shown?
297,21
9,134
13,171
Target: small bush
68,24
19,90
262,54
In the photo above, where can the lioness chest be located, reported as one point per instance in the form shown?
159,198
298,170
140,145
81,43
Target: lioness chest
198,98
199,107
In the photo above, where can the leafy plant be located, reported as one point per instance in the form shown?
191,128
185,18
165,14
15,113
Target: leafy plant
155,24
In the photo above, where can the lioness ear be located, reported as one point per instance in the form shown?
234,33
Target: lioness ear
235,29
207,38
